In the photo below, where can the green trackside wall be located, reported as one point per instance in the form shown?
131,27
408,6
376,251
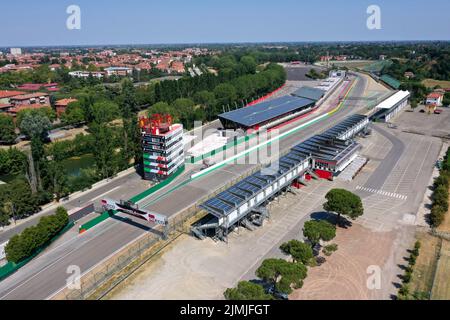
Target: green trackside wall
12,267
91,223
158,186
105,215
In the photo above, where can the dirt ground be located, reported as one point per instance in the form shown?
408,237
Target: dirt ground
431,83
423,273
441,288
344,275
445,225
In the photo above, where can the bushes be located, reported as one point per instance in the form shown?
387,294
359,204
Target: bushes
22,246
300,251
329,249
246,290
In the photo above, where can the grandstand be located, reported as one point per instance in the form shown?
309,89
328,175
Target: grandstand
254,117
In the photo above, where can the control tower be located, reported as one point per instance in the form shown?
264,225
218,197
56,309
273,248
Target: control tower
162,145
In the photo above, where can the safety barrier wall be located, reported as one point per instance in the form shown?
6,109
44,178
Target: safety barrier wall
91,223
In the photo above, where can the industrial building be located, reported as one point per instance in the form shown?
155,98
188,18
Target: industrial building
162,145
324,155
390,107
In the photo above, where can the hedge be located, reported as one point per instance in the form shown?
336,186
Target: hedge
25,244
439,206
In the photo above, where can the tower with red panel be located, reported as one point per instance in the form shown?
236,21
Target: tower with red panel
162,145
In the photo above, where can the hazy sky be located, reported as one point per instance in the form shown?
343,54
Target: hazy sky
43,22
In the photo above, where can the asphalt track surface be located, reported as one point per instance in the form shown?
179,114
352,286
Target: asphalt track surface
47,274
381,173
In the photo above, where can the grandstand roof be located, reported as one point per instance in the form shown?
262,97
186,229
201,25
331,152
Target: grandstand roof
309,93
390,81
265,111
393,100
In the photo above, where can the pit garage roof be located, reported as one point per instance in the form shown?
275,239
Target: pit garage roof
227,201
343,127
319,147
393,100
265,111
309,93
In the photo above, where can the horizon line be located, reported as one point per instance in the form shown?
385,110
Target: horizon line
217,43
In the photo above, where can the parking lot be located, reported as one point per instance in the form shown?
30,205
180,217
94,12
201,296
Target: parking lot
392,186
423,123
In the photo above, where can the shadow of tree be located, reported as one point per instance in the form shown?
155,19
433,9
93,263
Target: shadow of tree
331,218
401,266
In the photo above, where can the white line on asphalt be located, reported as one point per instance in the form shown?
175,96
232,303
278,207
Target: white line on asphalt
113,189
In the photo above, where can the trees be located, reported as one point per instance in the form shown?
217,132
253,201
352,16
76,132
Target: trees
105,111
7,129
58,179
343,202
129,108
225,94
205,98
104,155
160,107
300,251
43,111
22,246
17,201
184,110
439,205
246,290
284,275
73,115
35,125
316,230
249,63
12,161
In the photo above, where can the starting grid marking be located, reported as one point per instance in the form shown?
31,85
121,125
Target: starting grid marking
383,193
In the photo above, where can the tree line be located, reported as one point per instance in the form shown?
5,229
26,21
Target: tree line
439,198
25,244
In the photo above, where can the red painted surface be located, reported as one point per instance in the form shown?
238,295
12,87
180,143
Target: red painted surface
324,174
297,185
308,177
